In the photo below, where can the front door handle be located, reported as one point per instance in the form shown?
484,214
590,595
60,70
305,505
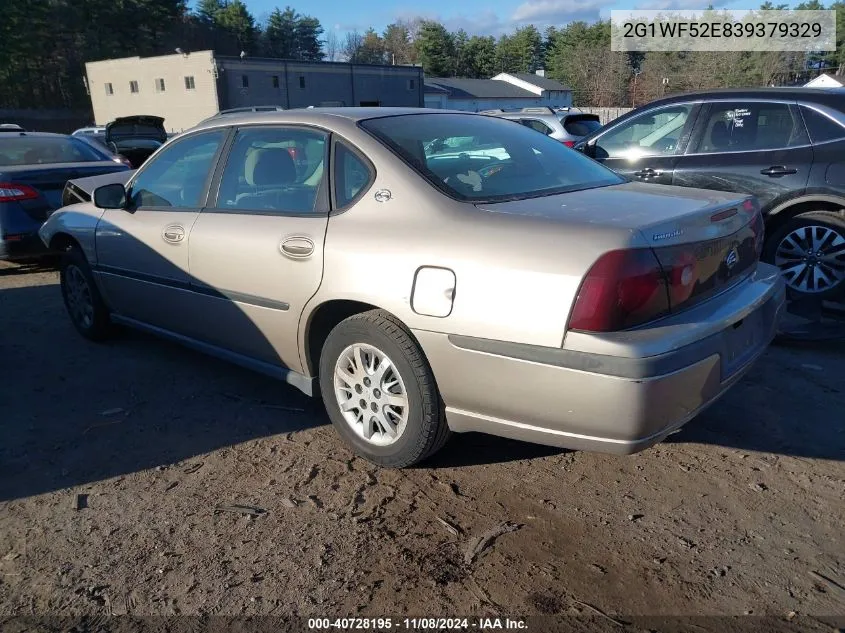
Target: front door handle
776,171
297,246
647,172
173,233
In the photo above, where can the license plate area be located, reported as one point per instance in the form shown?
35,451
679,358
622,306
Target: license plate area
740,342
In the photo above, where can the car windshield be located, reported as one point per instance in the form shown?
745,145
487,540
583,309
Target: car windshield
480,158
41,150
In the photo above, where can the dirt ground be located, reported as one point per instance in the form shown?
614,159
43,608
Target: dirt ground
115,461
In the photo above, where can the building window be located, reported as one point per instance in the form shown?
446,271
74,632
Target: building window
245,81
133,87
275,81
302,81
412,84
109,89
159,85
189,83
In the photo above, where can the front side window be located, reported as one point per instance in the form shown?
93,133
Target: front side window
652,133
273,170
749,126
351,175
477,158
176,177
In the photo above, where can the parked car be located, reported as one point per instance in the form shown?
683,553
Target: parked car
99,142
783,145
135,137
34,167
565,124
541,297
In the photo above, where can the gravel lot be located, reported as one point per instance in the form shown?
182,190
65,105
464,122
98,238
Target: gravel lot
116,459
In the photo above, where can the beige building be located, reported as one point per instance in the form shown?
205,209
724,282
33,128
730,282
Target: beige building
185,88
180,88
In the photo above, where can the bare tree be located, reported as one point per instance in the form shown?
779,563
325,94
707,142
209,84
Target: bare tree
332,46
352,46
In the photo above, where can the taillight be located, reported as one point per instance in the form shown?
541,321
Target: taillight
756,224
122,160
569,143
623,289
11,192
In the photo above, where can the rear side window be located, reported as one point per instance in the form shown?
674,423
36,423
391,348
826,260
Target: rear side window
749,126
273,169
821,127
534,124
351,175
581,125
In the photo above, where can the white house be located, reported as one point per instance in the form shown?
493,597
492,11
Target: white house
826,81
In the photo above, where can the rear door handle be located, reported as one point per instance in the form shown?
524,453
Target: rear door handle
173,233
647,172
775,171
297,246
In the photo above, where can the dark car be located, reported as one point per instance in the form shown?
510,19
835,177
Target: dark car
786,146
135,137
34,167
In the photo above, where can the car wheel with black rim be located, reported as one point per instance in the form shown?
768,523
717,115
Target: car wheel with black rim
380,392
82,298
809,249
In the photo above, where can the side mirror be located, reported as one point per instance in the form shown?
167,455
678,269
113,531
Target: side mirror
111,196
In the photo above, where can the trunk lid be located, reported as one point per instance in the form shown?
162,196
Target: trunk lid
137,126
704,241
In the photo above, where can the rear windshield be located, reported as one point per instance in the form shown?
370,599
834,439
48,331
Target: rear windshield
480,158
580,124
42,150
137,143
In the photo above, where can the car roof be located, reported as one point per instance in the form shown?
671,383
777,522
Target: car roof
318,115
789,93
17,134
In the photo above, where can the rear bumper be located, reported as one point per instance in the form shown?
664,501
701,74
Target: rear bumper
28,246
587,401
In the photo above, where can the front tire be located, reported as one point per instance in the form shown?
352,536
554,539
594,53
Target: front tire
809,249
82,298
380,392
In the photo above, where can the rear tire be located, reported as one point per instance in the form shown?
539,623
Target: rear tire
379,391
810,251
84,304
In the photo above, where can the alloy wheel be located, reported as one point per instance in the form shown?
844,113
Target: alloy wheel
79,300
371,394
812,259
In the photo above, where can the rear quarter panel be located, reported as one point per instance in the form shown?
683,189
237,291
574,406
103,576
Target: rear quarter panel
516,276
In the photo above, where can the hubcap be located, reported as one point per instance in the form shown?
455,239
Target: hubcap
812,259
371,394
79,302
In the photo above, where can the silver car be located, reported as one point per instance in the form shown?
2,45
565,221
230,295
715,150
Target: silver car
519,289
567,125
